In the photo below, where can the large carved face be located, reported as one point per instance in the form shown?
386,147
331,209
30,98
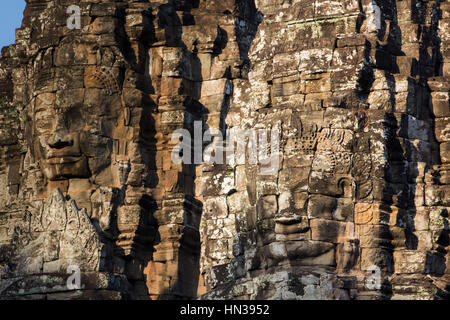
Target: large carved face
74,128
88,128
314,209
74,141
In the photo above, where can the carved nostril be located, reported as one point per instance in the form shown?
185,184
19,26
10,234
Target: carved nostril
58,141
59,144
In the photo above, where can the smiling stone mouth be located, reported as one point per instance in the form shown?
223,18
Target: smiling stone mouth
289,220
289,225
63,160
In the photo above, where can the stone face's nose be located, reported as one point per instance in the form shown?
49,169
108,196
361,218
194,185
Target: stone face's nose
60,137
60,140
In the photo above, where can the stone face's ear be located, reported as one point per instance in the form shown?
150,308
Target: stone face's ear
387,31
126,116
347,186
96,91
347,255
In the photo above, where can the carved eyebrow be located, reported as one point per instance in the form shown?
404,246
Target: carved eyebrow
71,110
40,110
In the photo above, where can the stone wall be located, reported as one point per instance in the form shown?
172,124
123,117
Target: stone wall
358,91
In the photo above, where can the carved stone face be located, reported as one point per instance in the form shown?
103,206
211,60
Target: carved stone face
88,142
314,209
73,131
58,143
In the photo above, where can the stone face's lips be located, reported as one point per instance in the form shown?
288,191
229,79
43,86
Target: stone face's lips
292,224
323,135
289,220
63,160
63,153
66,167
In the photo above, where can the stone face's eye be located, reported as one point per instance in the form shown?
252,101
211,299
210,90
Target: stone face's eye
43,121
74,120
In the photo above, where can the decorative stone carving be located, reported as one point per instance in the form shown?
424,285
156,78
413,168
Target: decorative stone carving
357,90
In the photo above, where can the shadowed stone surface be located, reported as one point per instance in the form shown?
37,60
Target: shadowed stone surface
358,91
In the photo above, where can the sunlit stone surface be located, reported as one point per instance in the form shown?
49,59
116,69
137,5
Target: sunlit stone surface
357,207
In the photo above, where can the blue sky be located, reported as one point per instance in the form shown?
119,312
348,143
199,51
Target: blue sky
11,13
